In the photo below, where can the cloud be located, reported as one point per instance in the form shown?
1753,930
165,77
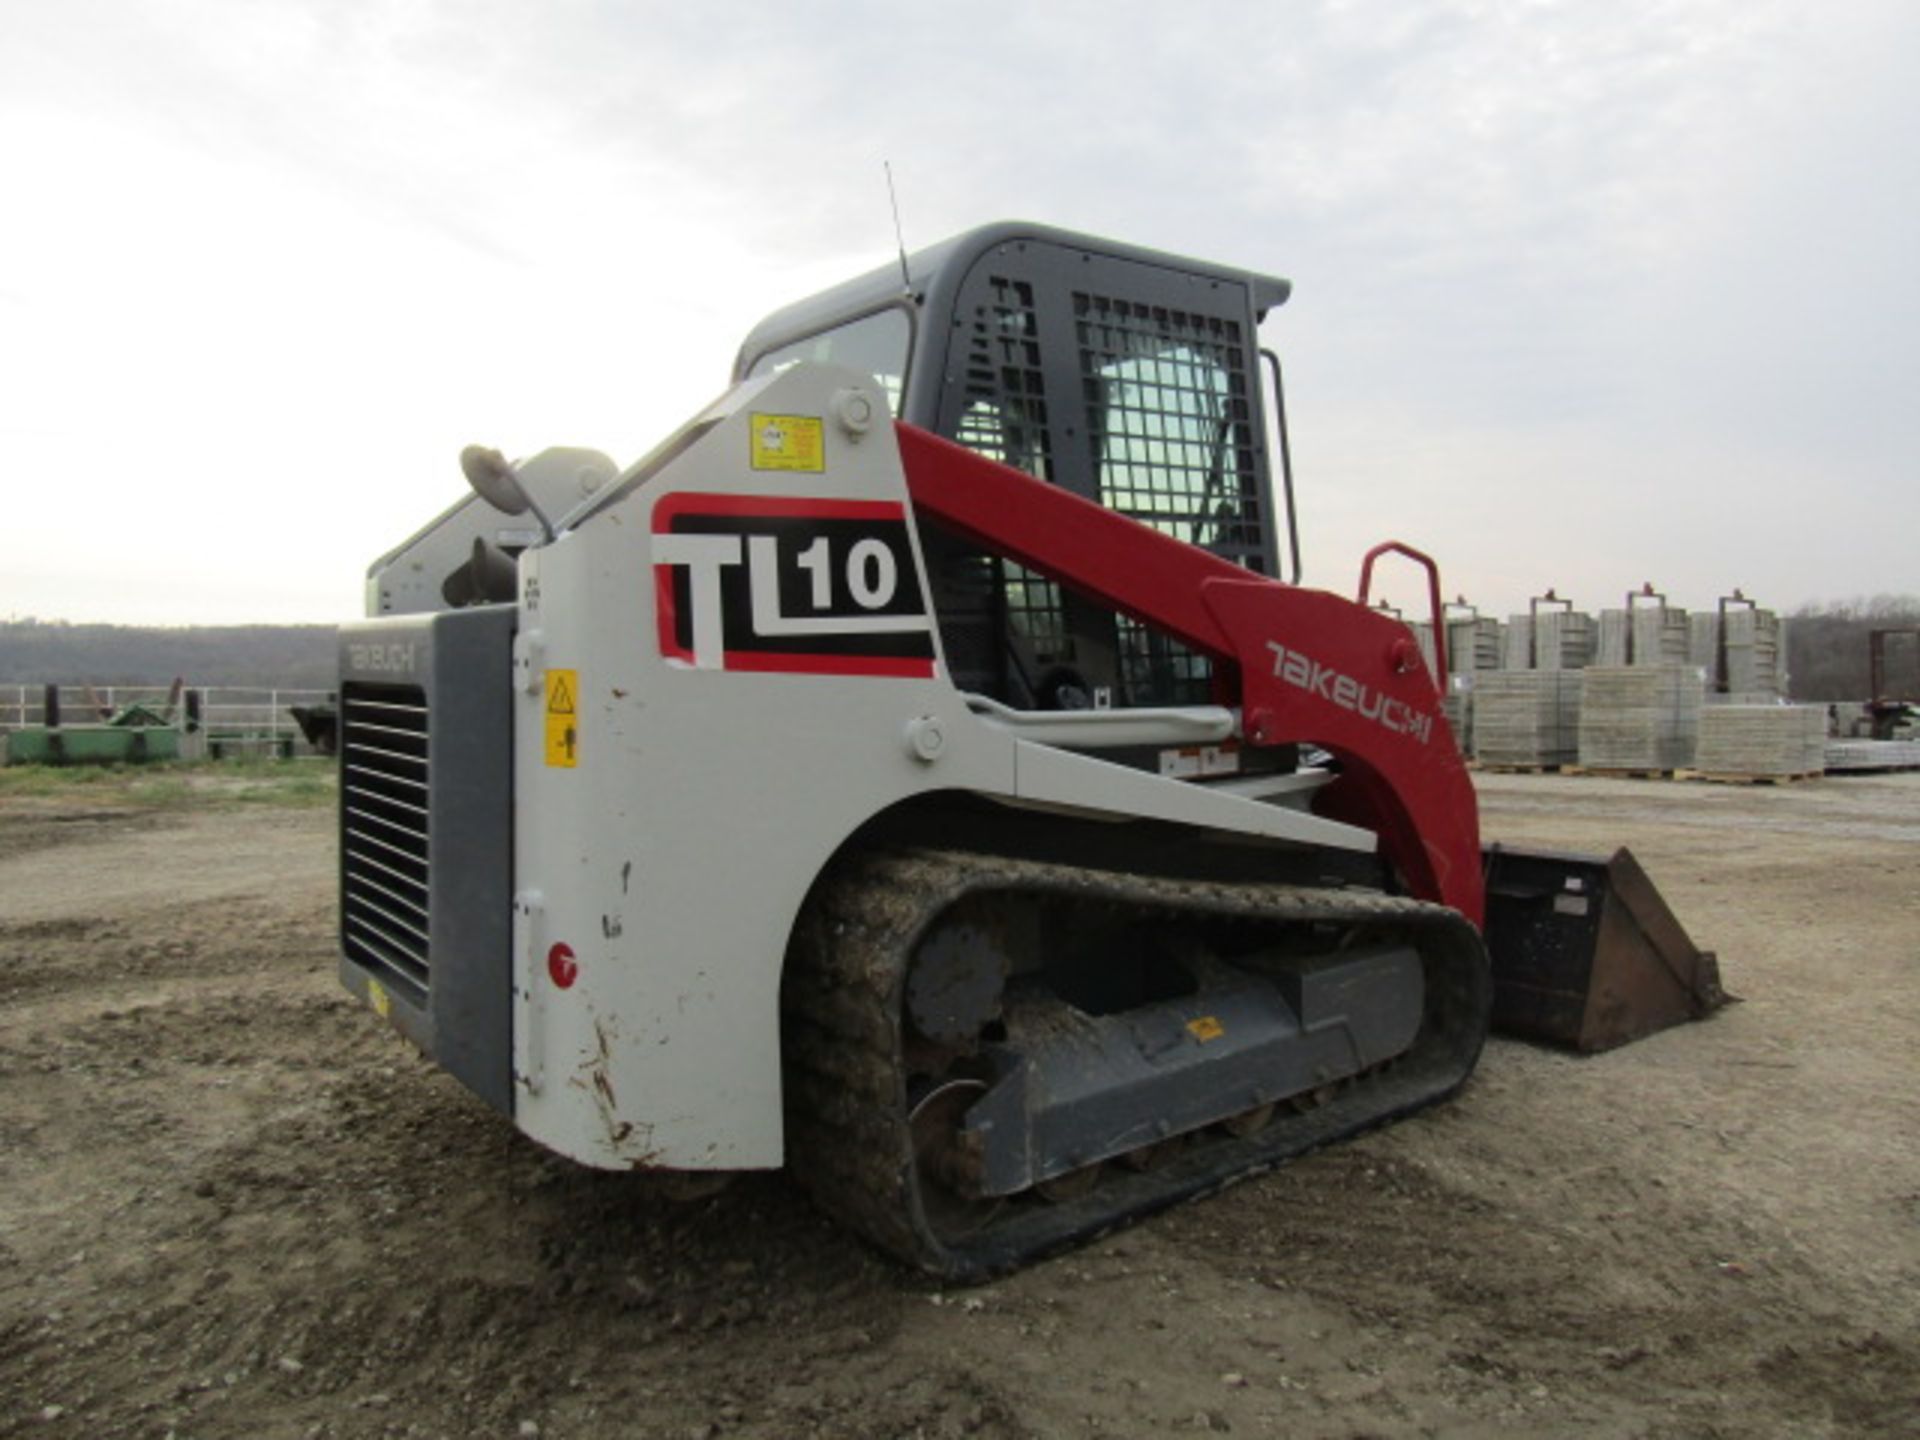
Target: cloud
1579,289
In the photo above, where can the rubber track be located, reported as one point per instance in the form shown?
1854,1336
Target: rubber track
847,1135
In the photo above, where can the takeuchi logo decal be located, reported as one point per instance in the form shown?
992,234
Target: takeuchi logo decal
1306,673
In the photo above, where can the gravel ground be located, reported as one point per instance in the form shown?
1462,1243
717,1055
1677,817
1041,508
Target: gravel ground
235,1204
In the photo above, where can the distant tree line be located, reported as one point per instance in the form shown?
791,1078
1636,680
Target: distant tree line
1827,648
36,651
1826,652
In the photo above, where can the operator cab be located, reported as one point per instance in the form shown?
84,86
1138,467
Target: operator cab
1126,376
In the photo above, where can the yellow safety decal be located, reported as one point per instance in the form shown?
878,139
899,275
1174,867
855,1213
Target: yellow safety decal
788,442
377,997
563,721
1205,1028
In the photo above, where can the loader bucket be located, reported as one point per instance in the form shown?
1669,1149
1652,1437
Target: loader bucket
1586,953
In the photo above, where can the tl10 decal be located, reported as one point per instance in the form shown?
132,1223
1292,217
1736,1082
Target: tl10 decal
775,583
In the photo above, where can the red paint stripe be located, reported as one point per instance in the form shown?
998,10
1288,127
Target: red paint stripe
900,667
778,507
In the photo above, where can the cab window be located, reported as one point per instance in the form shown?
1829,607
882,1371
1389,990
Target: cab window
874,344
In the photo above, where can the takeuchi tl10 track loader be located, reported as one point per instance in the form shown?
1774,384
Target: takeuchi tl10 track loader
917,772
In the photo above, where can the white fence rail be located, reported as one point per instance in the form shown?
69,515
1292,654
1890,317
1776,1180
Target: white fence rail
237,719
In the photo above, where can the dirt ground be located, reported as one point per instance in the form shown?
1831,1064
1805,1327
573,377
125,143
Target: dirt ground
233,1203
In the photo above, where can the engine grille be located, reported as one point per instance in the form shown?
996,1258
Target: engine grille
384,832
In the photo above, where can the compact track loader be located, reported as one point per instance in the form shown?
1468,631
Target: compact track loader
915,772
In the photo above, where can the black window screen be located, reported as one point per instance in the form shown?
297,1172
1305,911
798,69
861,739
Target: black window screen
1169,421
1171,434
1130,384
1006,411
1006,419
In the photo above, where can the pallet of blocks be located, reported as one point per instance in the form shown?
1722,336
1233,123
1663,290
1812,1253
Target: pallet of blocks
1526,719
1761,742
1866,757
1641,718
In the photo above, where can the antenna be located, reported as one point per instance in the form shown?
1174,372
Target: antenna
899,236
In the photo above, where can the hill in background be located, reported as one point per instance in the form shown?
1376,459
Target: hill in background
1827,652
35,652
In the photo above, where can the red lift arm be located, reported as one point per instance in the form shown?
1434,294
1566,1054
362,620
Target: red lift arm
1305,666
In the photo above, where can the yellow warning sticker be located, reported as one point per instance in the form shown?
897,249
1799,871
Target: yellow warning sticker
1205,1028
788,442
377,997
563,727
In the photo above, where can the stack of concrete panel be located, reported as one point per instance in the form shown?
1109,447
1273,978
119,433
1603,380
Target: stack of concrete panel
1659,635
1756,653
1474,645
1457,706
1703,640
1526,717
1640,717
1610,652
1423,636
1762,740
1564,640
1551,640
1842,755
1517,642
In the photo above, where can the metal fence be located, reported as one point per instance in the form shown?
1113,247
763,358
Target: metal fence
237,720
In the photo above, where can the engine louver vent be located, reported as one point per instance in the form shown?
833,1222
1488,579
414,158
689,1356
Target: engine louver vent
384,852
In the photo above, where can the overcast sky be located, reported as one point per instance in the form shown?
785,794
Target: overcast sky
1585,295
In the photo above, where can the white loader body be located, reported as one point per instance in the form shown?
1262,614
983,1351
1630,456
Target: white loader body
679,780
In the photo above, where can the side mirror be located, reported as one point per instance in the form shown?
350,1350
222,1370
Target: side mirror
493,480
496,482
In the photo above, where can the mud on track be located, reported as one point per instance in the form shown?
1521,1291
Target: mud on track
232,1203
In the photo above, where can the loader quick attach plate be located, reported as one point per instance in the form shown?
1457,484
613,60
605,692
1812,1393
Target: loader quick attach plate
1586,953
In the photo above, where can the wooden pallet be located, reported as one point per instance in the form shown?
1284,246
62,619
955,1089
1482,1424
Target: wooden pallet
1494,768
1720,777
1607,772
